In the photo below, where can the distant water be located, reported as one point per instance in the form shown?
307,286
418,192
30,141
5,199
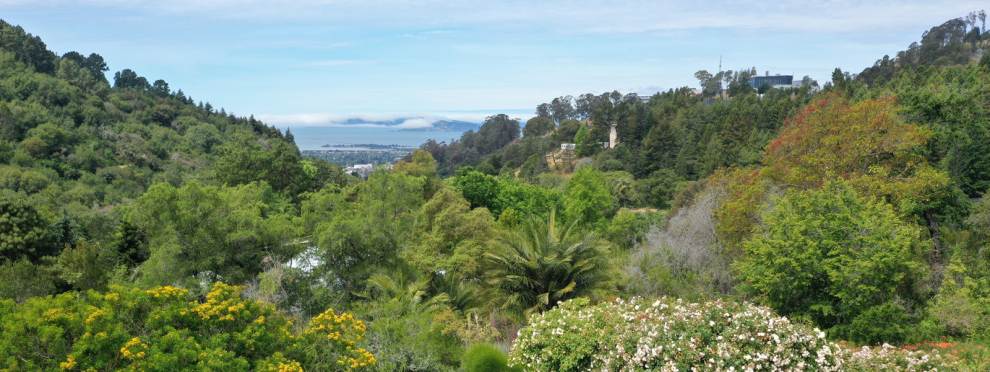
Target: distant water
313,138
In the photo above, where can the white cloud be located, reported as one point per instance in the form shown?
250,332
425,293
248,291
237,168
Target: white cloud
416,123
594,16
406,120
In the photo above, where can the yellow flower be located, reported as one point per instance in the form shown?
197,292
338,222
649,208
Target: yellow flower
167,291
92,317
292,366
69,363
134,349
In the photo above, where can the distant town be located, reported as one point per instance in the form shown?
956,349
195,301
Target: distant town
350,155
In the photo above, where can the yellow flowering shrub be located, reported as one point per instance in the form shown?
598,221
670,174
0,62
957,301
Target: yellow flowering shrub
339,334
167,328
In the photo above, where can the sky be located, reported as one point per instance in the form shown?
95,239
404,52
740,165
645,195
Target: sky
315,61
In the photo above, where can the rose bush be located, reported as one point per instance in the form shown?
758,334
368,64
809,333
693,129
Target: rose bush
674,335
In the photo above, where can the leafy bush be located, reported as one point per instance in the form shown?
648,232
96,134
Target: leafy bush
485,358
669,334
167,328
878,324
831,255
889,358
628,228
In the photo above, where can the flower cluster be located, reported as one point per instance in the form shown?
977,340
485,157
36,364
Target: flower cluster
673,335
167,292
341,327
292,366
889,358
223,302
134,349
69,363
361,358
667,334
343,331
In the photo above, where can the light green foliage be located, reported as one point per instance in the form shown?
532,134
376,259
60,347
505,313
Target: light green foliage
962,306
404,330
451,237
363,230
585,144
166,328
542,263
628,228
223,233
420,164
501,194
830,255
587,198
485,358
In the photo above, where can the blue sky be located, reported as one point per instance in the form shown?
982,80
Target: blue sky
313,61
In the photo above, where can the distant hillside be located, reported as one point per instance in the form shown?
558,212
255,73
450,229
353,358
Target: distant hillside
411,123
447,126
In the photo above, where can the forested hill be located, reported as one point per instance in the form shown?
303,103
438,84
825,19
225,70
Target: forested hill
685,134
73,148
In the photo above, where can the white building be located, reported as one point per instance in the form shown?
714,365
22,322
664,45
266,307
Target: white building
360,170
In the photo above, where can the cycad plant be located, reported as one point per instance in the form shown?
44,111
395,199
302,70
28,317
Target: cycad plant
539,265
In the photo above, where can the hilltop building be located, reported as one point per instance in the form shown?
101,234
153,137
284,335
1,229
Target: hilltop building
775,81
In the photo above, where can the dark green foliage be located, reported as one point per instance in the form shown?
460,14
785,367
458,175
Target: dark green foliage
954,42
543,263
538,126
27,48
24,233
879,324
128,79
497,132
250,159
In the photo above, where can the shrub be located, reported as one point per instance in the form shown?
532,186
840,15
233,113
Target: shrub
830,255
889,358
168,329
669,334
878,324
485,358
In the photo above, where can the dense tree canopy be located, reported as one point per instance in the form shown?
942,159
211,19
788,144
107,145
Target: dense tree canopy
860,208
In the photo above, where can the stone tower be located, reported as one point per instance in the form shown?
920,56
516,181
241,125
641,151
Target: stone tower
613,137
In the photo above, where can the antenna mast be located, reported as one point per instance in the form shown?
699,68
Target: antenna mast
719,75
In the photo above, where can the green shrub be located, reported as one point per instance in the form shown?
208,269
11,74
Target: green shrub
485,358
669,334
878,324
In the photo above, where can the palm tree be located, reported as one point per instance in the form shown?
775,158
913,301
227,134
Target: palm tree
407,293
540,265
